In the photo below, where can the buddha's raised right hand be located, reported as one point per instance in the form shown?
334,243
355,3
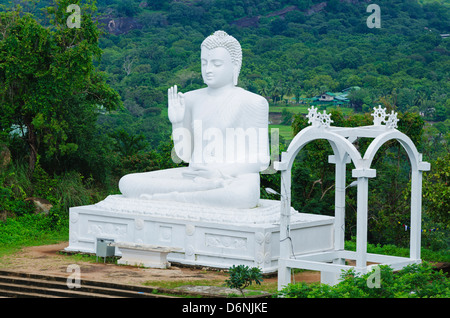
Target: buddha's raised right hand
176,105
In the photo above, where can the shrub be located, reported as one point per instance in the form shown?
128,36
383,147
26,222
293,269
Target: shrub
242,276
139,162
43,184
442,255
28,230
413,281
12,196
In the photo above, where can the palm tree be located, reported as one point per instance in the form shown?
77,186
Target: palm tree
288,91
263,90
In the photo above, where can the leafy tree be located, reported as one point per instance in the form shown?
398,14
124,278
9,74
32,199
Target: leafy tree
436,190
278,26
128,8
358,98
128,145
158,4
49,83
349,58
286,117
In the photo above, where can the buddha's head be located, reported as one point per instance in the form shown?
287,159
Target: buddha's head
221,56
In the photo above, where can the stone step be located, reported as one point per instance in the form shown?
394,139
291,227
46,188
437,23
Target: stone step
21,290
17,284
22,294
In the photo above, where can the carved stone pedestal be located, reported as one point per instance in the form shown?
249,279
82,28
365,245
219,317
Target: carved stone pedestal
205,236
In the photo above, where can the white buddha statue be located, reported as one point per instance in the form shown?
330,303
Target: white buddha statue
220,130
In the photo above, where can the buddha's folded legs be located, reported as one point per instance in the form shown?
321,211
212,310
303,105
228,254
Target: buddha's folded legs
160,181
242,193
171,185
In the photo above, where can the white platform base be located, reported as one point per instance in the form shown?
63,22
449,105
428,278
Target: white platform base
205,236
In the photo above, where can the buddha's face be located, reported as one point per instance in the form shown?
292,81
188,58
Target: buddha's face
217,67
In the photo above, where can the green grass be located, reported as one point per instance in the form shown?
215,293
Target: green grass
285,131
389,249
303,109
293,109
254,289
90,258
178,283
29,230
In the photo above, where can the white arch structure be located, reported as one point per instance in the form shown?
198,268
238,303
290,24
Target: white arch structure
332,262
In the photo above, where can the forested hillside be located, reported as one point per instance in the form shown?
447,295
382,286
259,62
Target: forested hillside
293,50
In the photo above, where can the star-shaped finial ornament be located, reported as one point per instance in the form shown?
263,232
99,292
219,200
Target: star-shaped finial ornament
379,115
325,119
312,115
392,120
318,119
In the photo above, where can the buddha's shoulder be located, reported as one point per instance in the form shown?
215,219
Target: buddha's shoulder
247,98
193,97
196,92
239,95
249,95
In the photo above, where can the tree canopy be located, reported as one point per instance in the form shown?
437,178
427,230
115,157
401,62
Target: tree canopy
50,87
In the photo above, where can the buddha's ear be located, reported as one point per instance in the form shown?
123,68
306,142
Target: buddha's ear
235,73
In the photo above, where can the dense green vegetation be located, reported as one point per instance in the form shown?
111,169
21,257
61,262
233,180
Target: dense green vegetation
80,107
413,281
